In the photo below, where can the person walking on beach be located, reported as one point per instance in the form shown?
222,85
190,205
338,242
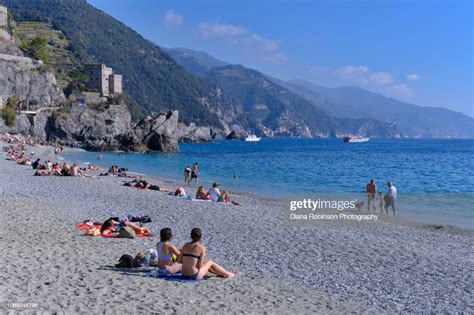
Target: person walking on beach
195,173
390,197
371,190
187,175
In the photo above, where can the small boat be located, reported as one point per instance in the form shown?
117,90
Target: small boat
356,139
252,138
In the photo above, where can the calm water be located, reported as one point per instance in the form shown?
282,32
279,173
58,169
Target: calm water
434,178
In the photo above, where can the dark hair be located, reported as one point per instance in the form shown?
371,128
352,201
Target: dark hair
107,224
165,234
196,234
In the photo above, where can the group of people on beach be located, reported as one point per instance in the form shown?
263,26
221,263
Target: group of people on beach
384,201
191,173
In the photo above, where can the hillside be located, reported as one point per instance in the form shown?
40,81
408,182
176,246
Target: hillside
415,121
271,105
196,62
151,76
61,60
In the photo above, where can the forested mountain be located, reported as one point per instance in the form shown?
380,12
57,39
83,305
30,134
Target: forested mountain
272,105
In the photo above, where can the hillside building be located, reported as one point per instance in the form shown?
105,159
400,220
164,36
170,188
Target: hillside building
3,16
103,79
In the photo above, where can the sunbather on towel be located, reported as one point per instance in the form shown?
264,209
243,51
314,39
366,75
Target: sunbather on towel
191,260
165,251
111,228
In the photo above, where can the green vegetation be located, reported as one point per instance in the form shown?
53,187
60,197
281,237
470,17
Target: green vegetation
266,101
151,76
60,60
8,113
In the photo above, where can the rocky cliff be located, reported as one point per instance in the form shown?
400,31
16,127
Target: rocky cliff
25,78
105,129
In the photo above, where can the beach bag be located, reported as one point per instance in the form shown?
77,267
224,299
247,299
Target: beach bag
127,261
127,232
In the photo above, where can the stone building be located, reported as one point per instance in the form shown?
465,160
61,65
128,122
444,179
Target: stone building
3,16
103,79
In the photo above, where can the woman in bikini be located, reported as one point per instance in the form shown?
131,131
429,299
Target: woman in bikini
165,251
202,194
192,263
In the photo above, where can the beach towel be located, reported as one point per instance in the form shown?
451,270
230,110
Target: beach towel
177,277
86,227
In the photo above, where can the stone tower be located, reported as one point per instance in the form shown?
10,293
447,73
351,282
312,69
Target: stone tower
3,16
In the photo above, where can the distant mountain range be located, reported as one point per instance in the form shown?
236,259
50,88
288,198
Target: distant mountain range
352,109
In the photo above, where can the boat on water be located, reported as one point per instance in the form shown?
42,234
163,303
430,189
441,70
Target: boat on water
252,138
356,139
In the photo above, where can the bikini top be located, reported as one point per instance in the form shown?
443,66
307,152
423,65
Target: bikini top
162,255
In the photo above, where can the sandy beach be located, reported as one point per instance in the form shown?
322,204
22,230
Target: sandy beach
393,266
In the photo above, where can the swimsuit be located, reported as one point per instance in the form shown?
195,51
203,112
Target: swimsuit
193,276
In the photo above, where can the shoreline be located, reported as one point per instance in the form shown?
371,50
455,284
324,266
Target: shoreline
175,183
365,268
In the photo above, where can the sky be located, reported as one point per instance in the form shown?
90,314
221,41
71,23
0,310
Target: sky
418,51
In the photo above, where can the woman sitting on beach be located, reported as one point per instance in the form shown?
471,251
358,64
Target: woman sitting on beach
202,194
111,228
65,169
191,260
165,251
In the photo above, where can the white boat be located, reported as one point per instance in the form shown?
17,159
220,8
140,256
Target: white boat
252,138
356,139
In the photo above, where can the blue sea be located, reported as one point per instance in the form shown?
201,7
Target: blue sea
434,178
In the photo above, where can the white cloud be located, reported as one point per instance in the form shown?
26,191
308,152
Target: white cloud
251,44
350,71
220,30
172,19
266,48
413,77
381,78
401,91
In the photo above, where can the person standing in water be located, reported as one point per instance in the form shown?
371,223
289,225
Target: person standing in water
187,175
390,197
371,190
195,173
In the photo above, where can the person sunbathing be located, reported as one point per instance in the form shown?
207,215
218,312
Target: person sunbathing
202,194
191,260
165,251
143,184
75,171
217,196
65,169
112,228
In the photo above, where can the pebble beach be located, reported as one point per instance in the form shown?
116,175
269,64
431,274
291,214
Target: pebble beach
392,266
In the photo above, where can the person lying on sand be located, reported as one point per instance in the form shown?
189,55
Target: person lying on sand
165,251
191,261
217,196
143,184
111,228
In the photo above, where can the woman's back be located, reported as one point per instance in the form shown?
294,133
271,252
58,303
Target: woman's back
191,253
